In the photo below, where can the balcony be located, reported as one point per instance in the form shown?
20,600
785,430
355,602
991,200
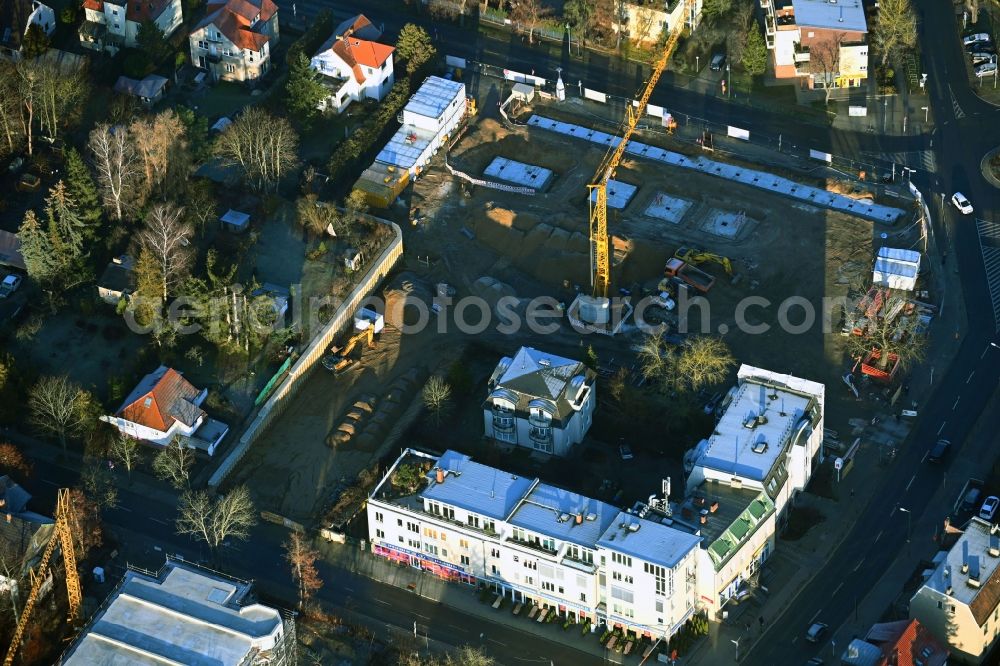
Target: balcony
540,435
534,545
503,423
801,54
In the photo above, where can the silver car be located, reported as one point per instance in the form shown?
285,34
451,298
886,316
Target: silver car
986,69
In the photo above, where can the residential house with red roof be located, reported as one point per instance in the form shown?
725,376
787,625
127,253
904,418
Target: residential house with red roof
234,40
16,17
959,602
163,406
110,25
354,65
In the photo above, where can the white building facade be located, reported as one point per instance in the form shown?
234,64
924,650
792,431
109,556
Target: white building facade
535,544
110,25
354,66
540,401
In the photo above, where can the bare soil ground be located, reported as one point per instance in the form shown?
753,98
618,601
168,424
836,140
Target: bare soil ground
537,245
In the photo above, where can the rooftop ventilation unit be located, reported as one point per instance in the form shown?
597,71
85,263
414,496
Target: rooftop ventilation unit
591,517
973,580
633,527
994,549
563,517
544,362
759,446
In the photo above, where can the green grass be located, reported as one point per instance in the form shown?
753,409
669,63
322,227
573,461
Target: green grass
223,99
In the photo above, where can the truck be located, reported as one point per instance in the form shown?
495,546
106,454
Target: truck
696,278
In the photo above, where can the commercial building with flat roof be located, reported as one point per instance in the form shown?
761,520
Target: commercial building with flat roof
534,543
184,615
959,603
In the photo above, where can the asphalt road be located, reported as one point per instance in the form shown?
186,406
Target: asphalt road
967,129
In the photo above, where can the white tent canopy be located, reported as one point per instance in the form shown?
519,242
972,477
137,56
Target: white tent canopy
896,268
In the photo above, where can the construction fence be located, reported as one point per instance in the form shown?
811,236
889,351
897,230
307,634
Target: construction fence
341,321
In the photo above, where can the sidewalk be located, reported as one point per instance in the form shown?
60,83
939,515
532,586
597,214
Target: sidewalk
463,598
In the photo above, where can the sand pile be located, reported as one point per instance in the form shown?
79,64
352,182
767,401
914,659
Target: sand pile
405,298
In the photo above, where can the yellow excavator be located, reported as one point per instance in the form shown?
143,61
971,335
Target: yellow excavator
339,359
696,257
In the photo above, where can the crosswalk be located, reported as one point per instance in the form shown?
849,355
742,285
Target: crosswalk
959,113
989,242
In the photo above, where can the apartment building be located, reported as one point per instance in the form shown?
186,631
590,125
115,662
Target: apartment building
540,401
743,478
354,65
534,543
646,22
233,41
822,43
110,25
959,604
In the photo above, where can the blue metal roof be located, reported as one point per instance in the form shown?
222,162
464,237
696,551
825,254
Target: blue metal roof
652,542
434,96
477,488
543,508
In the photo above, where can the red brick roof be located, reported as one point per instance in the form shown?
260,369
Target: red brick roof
233,19
915,645
161,398
96,5
356,52
146,10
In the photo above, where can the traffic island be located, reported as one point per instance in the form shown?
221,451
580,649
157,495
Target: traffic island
990,166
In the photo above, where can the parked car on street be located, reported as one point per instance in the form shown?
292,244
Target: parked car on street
959,201
939,452
816,631
986,69
989,507
718,60
982,57
9,285
981,47
975,38
625,451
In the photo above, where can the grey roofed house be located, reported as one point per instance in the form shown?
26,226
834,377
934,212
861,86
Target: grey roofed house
23,533
149,90
533,374
10,250
184,615
117,281
235,220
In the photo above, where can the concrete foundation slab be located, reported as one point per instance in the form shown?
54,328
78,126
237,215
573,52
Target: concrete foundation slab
724,224
665,207
619,194
518,173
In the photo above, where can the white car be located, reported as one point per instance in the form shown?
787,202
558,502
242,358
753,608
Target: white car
959,201
983,58
9,285
975,39
986,69
989,507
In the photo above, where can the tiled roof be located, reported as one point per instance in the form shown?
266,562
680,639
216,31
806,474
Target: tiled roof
96,5
358,26
234,18
162,397
144,10
916,645
357,52
987,599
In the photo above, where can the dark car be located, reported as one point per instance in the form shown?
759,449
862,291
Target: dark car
718,60
939,451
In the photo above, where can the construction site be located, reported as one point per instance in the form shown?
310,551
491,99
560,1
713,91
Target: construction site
502,210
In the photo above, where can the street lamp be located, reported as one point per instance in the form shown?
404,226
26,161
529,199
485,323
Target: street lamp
903,509
736,642
697,65
729,81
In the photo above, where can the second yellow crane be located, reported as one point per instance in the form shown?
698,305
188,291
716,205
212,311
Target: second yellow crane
598,195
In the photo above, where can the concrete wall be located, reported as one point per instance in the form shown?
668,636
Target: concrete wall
342,320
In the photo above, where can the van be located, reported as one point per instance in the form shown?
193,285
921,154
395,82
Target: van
971,499
718,60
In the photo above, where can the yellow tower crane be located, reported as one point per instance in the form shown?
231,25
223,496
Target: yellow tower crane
65,524
600,248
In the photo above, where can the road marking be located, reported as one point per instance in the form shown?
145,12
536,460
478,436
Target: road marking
497,642
815,616
157,520
911,481
49,482
956,403
926,452
385,603
970,376
983,355
419,615
878,537
348,589
837,589
858,565
124,508
795,639
455,626
943,423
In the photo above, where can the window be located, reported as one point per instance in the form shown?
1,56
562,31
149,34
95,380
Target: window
529,580
434,508
444,553
580,554
202,44
472,520
414,544
617,575
448,512
379,517
428,532
413,527
515,558
495,552
549,543
399,522
489,525
518,534
811,34
400,538
583,596
431,548
230,68
659,606
618,558
380,534
561,590
660,578
464,559
463,543
444,537
548,587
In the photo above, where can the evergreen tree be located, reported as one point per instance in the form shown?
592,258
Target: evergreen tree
36,249
304,90
415,47
53,251
81,188
755,52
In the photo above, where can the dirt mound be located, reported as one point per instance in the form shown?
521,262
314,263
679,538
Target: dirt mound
405,298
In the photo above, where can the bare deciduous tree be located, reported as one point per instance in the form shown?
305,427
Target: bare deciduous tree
60,93
824,59
895,29
302,558
436,395
98,485
166,237
60,408
126,450
888,334
173,464
529,14
213,521
117,167
703,361
161,144
88,531
264,147
12,460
